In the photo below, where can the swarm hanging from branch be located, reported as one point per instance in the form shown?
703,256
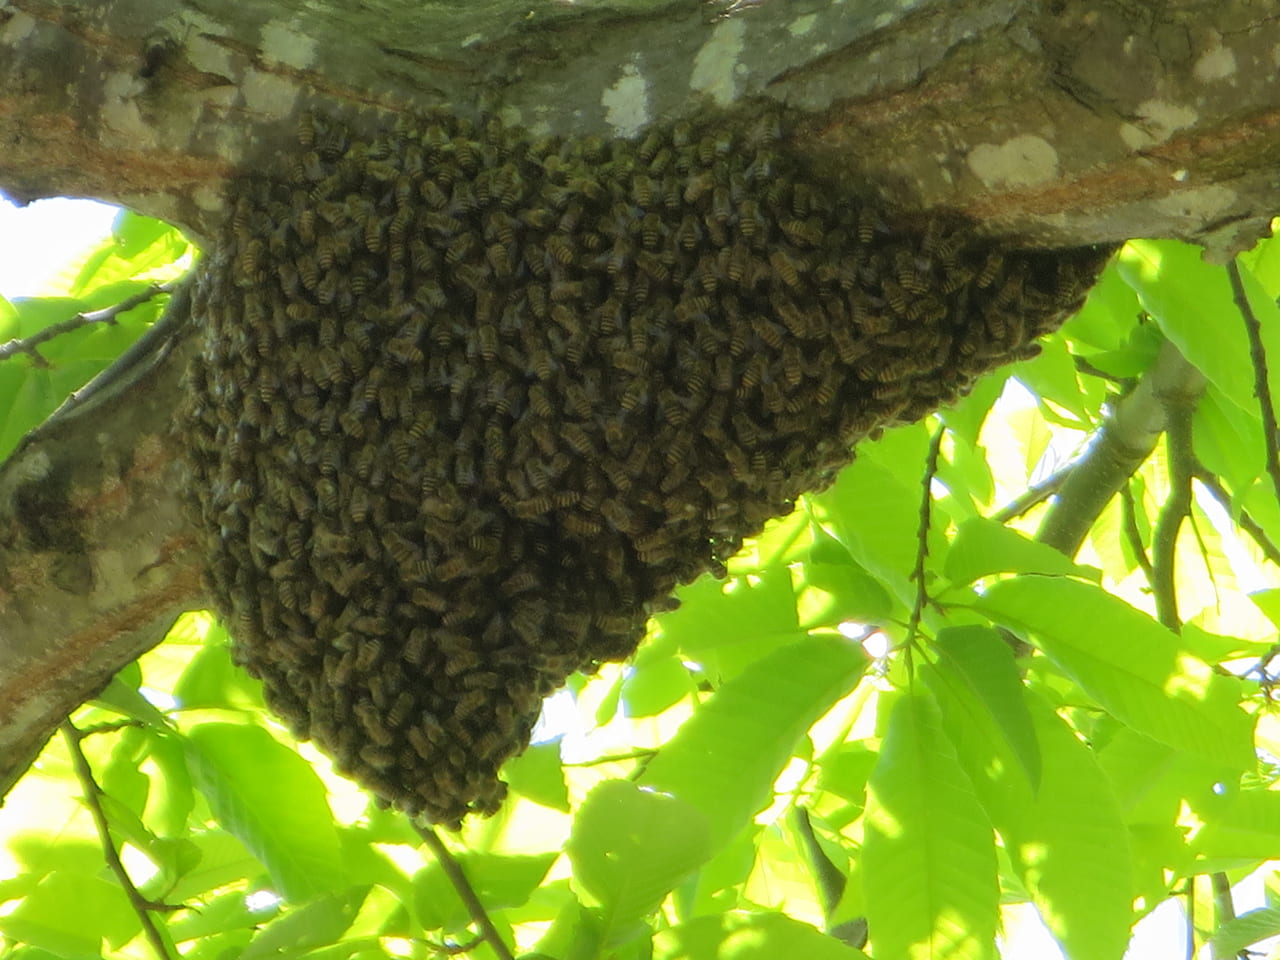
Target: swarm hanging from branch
472,403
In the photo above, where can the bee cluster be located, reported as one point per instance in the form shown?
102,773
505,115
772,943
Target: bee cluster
471,404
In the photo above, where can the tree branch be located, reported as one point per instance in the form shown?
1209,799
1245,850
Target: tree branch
1133,535
899,101
1120,446
93,800
107,315
1179,409
96,559
1247,523
466,893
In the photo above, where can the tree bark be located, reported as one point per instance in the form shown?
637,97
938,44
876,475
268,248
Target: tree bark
1047,122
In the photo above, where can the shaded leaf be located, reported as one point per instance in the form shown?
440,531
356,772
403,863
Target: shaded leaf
272,800
981,660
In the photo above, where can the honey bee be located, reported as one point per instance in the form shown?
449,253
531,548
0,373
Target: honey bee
990,269
792,364
651,230
560,249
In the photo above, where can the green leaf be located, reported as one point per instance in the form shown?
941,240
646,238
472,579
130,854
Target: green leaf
979,659
211,679
538,775
724,759
1245,930
499,880
1192,300
982,547
876,516
828,594
724,626
1070,845
1245,825
272,800
928,860
752,936
655,681
70,914
322,921
1137,669
630,847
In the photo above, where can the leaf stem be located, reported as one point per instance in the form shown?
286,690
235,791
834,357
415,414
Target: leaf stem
466,893
93,800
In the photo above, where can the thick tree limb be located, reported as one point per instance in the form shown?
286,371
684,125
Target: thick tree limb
95,556
1057,122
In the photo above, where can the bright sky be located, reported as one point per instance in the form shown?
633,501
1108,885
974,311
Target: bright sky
39,240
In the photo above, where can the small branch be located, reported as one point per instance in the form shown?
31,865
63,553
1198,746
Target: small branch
1261,387
1190,893
107,315
466,893
1247,523
922,534
93,800
452,950
1164,540
1224,907
1129,517
1033,496
1119,448
1084,366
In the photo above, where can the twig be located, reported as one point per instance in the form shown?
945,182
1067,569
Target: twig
107,315
1223,906
1033,496
1190,893
922,534
466,893
1247,523
1129,517
1261,387
1084,366
1164,539
93,800
453,949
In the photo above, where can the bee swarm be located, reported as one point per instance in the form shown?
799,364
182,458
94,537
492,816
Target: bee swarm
470,405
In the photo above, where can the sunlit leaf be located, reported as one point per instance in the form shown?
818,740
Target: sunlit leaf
1133,666
982,547
929,862
538,775
749,936
724,759
630,847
